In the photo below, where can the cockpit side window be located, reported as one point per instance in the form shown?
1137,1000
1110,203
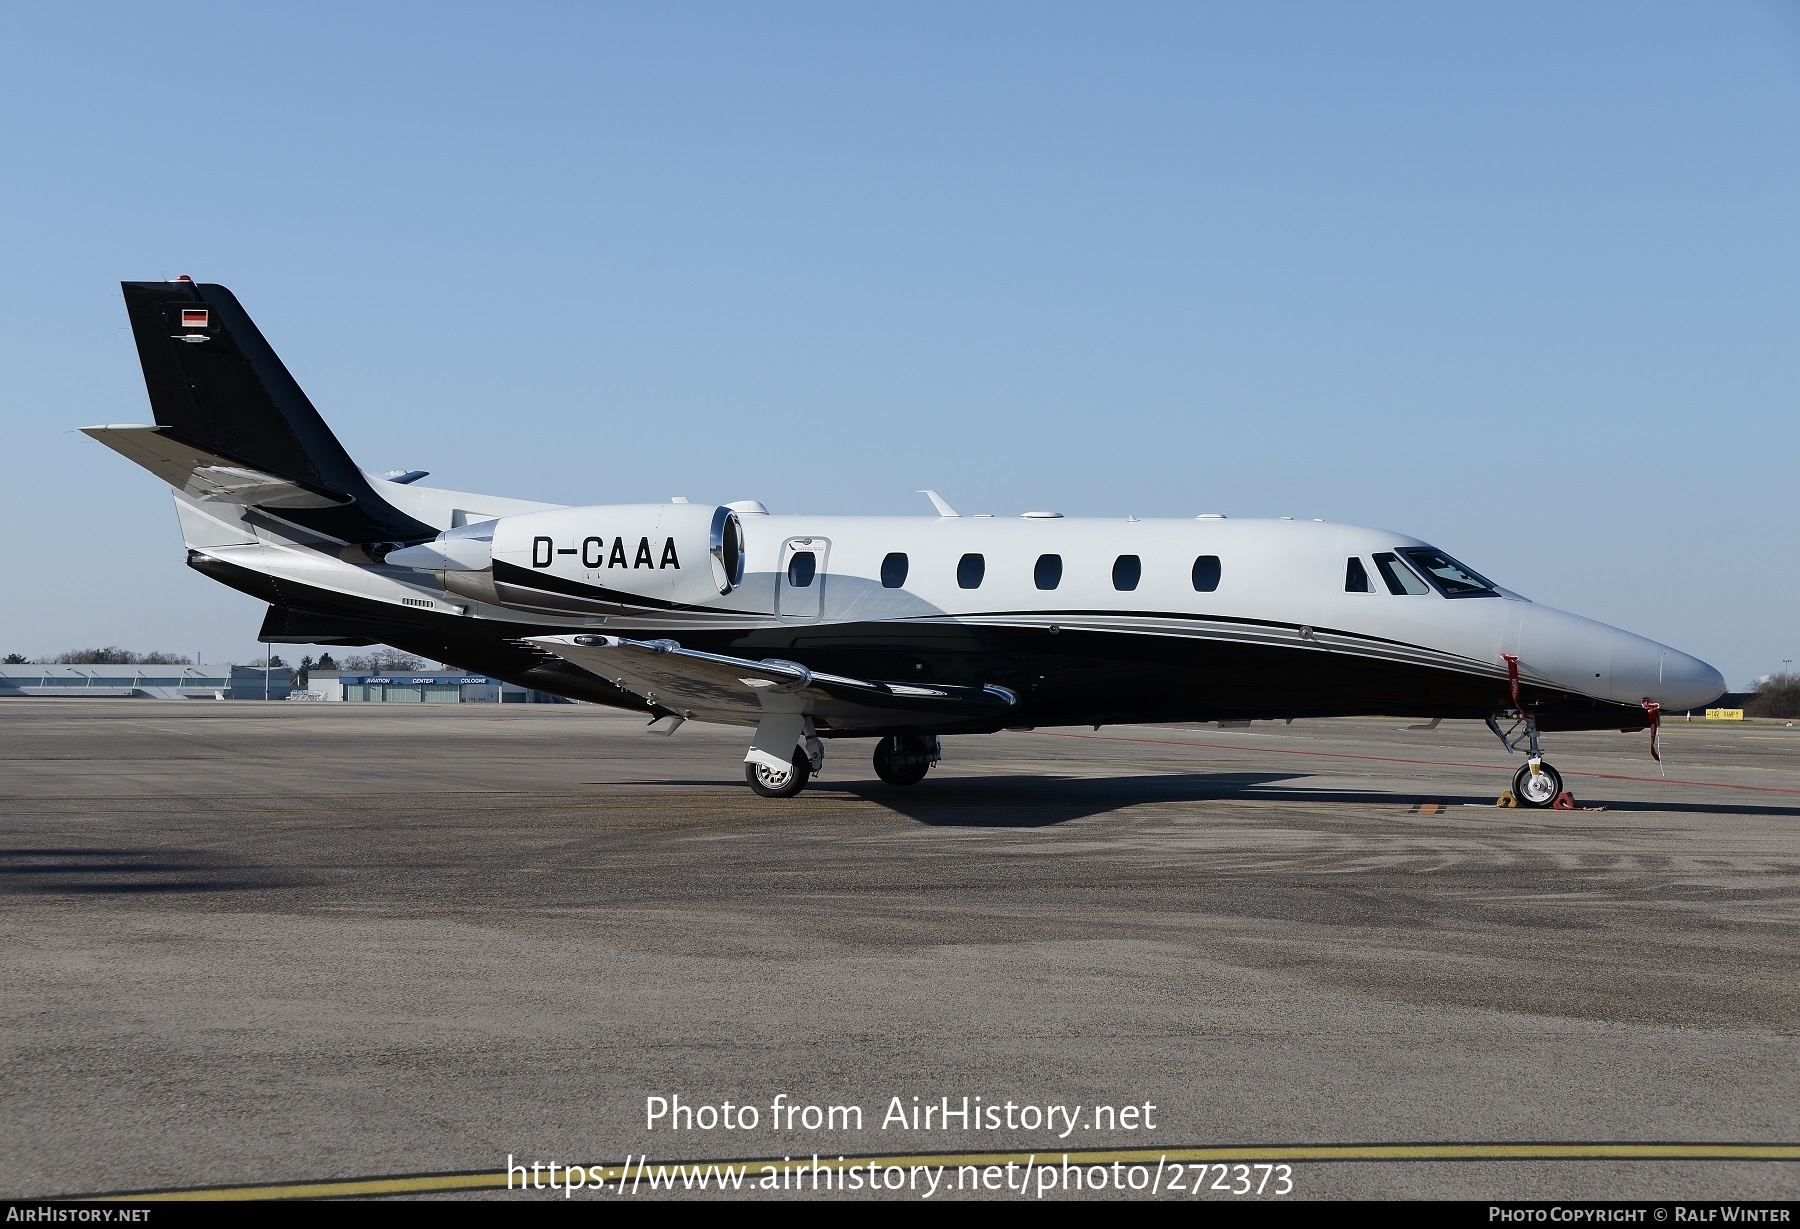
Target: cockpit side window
1451,578
1397,576
1356,577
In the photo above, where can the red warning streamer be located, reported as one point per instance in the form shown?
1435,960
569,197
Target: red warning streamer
1655,711
1512,676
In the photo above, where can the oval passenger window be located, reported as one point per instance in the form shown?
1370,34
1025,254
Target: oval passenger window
1127,571
969,571
893,570
802,568
1206,574
1048,573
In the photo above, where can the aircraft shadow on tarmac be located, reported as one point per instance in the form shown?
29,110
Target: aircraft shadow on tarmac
1039,802
1043,801
39,872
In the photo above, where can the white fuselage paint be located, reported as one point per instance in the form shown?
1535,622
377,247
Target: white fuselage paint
1281,583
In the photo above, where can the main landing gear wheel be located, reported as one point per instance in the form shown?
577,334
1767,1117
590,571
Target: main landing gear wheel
902,760
1537,789
774,783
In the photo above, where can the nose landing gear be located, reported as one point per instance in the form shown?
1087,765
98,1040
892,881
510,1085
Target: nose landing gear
1536,784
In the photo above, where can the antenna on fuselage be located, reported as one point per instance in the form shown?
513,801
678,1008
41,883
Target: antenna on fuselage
937,501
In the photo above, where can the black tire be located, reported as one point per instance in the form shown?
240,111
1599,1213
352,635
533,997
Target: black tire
1539,791
902,760
771,784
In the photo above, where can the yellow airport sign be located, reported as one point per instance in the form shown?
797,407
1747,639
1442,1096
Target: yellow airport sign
1724,714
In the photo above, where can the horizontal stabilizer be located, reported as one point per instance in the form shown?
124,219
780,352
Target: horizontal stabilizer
738,691
286,625
206,474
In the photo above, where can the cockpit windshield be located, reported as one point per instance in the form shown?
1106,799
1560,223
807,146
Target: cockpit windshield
1451,578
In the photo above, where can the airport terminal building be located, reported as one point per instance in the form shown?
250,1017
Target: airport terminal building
433,688
220,682
413,688
225,682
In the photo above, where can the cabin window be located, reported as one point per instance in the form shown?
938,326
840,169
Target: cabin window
893,570
1206,574
1127,571
1356,577
802,568
1451,578
969,571
1048,572
1397,576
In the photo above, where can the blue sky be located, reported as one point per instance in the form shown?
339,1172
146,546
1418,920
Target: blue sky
1522,279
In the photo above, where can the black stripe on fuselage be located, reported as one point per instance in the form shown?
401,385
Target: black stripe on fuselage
1207,626
524,578
1191,616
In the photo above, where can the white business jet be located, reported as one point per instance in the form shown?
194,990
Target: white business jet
809,628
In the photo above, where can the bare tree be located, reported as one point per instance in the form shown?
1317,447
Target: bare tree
113,655
384,661
1778,695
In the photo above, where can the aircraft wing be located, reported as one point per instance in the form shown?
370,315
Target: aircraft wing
206,474
738,691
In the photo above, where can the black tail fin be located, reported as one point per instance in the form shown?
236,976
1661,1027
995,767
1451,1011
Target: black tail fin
215,382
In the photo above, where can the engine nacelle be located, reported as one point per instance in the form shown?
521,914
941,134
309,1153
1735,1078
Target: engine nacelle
596,559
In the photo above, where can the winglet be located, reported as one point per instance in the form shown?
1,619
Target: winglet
937,501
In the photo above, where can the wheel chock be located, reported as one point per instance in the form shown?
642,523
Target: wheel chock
1506,799
1565,801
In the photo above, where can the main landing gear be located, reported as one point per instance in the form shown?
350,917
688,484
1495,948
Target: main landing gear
904,759
784,755
773,782
1536,784
787,753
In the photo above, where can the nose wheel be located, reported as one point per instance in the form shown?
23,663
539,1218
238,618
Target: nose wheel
1537,785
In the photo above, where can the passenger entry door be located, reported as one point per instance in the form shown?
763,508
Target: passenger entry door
800,587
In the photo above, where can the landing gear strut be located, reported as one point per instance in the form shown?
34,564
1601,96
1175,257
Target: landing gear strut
1536,784
905,759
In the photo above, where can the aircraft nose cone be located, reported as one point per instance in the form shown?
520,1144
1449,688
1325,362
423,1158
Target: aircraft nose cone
1688,682
1645,670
